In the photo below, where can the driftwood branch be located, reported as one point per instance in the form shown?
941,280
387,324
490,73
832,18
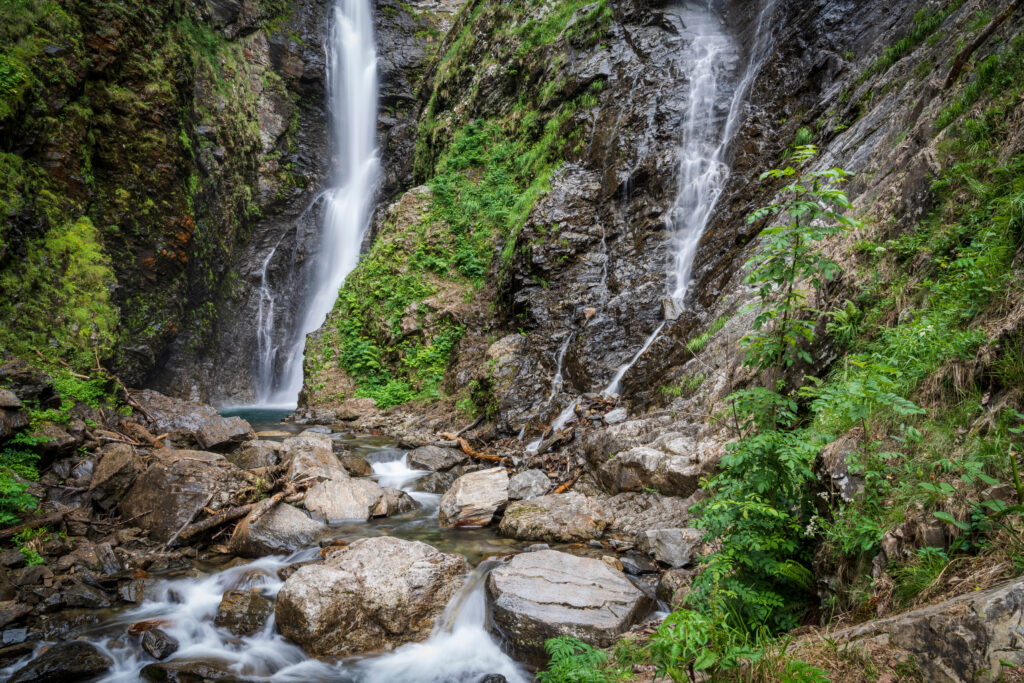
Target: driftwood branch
469,450
961,59
289,494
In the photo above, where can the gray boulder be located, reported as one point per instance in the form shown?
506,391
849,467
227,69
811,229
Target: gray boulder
222,433
546,594
377,593
474,499
114,474
436,458
72,661
528,484
316,465
337,501
256,453
674,547
243,612
644,467
561,518
284,529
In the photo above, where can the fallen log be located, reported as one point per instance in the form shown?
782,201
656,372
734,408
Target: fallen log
469,450
290,493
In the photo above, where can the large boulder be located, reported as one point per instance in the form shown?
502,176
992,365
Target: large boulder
436,458
115,472
394,502
176,486
339,501
376,593
546,594
674,547
644,467
75,660
256,453
474,499
527,485
283,529
554,518
188,421
222,433
307,441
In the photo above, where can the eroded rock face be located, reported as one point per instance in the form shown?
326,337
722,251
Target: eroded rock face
376,593
175,486
546,594
282,530
192,422
960,640
114,474
555,518
474,499
318,466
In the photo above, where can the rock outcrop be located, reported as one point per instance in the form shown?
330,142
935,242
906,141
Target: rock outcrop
376,593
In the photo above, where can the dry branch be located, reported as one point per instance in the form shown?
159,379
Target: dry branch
468,450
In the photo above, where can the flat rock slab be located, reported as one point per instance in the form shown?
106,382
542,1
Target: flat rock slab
474,499
547,593
376,593
554,518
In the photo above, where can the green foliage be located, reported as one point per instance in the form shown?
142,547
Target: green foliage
917,574
573,661
17,471
28,542
1000,74
926,22
58,299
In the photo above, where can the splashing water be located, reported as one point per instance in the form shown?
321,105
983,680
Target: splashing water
347,204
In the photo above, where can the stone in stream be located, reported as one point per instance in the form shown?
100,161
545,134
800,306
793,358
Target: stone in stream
376,593
673,547
357,465
158,644
316,465
394,502
223,433
282,530
197,670
546,594
243,612
474,499
176,486
436,458
528,484
71,661
554,518
339,501
256,454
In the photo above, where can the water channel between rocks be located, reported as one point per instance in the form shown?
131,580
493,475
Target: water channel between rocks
460,649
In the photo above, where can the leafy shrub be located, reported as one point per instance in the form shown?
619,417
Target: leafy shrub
573,661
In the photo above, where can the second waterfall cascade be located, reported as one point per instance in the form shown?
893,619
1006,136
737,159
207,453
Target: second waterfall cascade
346,205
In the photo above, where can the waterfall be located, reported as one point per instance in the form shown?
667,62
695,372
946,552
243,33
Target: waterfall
346,204
704,146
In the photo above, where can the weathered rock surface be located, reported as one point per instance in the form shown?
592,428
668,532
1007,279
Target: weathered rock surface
243,612
282,530
192,670
114,474
317,466
74,660
547,593
644,467
336,501
257,453
356,465
674,547
474,499
964,639
436,458
376,593
394,502
158,644
176,486
554,518
528,484
222,433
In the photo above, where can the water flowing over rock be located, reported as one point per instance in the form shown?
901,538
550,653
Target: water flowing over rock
243,613
474,499
546,594
376,593
555,518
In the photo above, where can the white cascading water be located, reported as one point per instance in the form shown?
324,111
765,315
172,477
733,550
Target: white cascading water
705,145
347,204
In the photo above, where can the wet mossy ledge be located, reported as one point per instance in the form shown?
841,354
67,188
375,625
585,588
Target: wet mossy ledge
132,165
500,112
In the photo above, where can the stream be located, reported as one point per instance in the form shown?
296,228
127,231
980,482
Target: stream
460,649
